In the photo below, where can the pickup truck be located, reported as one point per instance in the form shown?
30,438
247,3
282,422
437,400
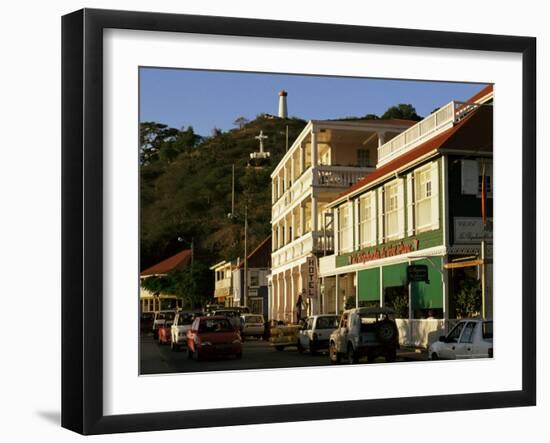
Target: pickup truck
361,332
470,338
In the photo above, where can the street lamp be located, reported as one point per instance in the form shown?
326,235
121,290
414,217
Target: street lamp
192,244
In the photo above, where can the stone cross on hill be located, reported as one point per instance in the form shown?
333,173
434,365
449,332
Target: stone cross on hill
261,137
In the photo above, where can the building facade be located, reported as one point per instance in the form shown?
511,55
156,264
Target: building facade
325,160
428,203
223,282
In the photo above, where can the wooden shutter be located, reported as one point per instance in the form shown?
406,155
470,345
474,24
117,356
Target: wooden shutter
372,203
410,204
400,208
380,211
469,177
435,194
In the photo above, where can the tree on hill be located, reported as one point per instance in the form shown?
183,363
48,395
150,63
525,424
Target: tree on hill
241,121
402,111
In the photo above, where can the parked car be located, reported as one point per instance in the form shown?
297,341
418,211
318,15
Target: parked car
234,316
161,317
252,325
470,338
281,336
213,336
164,335
369,332
178,331
315,333
146,322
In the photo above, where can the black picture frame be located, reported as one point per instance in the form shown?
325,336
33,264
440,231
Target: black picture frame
82,218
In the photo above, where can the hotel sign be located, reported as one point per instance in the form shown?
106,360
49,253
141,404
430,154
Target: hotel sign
311,283
470,230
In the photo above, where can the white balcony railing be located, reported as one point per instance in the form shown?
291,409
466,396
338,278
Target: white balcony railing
339,176
313,242
322,177
440,120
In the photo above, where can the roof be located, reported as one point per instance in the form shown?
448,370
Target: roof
263,254
453,138
179,260
485,91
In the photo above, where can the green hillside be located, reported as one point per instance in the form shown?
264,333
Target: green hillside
186,188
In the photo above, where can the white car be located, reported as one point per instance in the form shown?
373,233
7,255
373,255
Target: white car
316,332
178,331
252,325
470,338
161,318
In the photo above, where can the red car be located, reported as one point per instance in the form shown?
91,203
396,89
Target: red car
212,337
165,335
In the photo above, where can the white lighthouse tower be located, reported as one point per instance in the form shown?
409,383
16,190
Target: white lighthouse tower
283,113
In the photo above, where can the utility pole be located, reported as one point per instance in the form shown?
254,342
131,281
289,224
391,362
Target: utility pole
483,245
245,277
233,190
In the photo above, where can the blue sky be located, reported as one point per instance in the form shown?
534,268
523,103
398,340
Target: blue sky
208,99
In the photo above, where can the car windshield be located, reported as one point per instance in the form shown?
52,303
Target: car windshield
185,319
327,322
215,325
487,329
254,319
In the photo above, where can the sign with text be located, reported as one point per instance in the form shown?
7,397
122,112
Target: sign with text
311,283
417,273
469,230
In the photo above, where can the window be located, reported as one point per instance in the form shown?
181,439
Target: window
454,335
423,199
468,334
393,210
345,228
254,279
367,220
363,158
423,193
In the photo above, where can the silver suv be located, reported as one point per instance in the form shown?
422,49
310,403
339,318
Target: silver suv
361,332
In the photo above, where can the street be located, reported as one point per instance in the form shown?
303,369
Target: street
257,354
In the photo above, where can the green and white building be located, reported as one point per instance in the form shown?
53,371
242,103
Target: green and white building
422,205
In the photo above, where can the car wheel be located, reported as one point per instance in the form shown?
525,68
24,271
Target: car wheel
312,350
435,356
351,355
334,354
391,355
386,331
239,355
279,348
300,347
371,356
189,354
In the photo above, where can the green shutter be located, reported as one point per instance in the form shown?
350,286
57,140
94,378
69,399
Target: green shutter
428,295
368,284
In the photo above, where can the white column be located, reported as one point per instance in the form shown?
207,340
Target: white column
285,178
337,293
302,158
273,296
313,213
381,138
291,295
279,190
285,294
313,148
302,218
356,281
293,225
292,168
285,240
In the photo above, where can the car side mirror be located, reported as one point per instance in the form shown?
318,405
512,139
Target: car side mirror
442,338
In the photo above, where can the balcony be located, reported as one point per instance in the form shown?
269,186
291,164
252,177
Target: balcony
443,118
319,242
329,178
